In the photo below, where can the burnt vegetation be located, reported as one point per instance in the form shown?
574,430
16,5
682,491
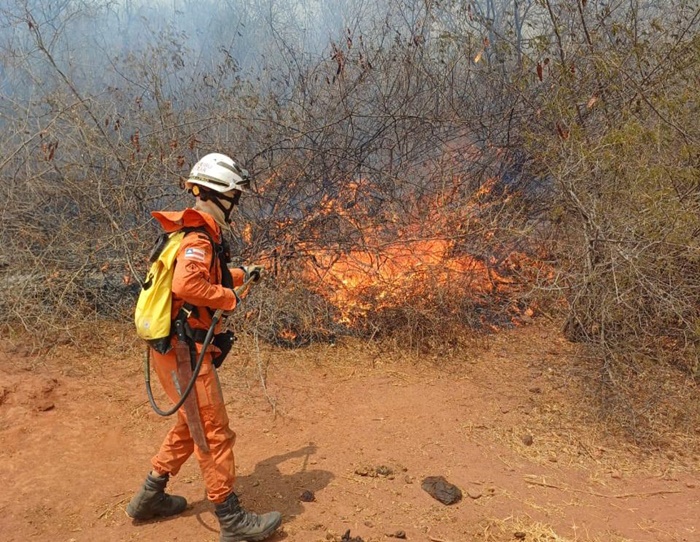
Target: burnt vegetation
426,172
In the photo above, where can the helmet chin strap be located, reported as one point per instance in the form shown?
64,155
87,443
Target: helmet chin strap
216,198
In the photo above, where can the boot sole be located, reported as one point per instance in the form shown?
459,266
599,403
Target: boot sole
259,537
130,514
137,518
153,516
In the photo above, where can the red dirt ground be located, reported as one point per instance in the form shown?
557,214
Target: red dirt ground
500,422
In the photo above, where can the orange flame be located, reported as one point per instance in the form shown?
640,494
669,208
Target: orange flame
418,259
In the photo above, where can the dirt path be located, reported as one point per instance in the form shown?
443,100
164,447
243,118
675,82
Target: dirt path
360,430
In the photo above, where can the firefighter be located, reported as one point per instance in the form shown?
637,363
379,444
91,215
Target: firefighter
201,284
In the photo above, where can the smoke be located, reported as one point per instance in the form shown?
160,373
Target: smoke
90,41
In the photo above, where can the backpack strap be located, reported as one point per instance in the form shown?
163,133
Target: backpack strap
180,326
221,251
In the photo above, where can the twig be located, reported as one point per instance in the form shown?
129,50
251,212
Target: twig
138,407
595,494
543,484
647,494
261,374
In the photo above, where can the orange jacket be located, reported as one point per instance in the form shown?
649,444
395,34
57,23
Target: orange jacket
197,275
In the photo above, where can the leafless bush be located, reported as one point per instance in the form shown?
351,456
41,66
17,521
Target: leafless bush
288,315
618,133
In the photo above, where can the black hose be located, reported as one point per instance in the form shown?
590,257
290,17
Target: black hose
195,372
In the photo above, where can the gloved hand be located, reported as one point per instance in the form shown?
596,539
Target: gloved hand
253,271
238,302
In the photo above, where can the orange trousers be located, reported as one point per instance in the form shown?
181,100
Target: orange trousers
218,465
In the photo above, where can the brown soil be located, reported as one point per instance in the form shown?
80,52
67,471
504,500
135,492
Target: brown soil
356,427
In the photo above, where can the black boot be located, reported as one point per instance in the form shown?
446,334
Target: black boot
237,525
152,500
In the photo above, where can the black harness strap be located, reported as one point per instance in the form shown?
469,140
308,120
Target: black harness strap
181,325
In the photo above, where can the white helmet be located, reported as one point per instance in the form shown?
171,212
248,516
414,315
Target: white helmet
220,173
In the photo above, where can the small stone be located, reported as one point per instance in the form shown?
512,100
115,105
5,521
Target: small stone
398,534
307,496
519,535
348,538
474,494
442,490
45,406
383,470
362,471
527,440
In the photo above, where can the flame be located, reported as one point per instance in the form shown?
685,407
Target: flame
287,335
368,280
397,261
247,233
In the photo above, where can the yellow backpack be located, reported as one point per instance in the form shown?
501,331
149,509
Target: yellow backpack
154,306
153,314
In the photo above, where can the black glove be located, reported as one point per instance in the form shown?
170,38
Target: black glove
223,341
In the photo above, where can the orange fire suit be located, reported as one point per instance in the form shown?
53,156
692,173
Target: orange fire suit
197,280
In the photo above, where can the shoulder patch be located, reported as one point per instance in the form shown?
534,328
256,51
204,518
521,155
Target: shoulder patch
196,254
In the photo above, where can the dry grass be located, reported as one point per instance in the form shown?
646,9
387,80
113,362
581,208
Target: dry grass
525,529
568,427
